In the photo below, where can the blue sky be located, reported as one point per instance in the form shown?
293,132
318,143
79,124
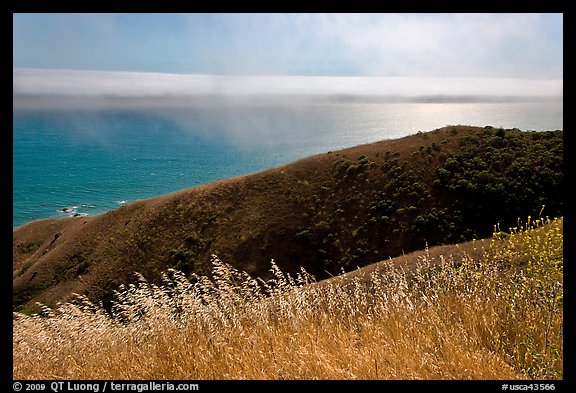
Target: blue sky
455,45
519,46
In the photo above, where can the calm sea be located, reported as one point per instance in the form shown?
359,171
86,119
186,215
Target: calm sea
87,162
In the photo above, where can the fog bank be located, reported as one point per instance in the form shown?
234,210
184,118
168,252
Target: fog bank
54,88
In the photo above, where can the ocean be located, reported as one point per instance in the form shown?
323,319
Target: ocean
85,162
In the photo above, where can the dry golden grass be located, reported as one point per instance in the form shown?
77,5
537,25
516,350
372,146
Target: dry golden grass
447,319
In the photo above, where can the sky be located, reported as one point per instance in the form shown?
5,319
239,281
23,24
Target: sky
167,54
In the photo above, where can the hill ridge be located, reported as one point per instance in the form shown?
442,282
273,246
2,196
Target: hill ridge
329,211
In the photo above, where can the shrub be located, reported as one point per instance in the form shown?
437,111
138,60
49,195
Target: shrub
304,235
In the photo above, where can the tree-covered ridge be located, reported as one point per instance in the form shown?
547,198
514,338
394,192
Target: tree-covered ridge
445,192
499,176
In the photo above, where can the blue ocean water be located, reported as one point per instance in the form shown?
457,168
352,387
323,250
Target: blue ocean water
85,162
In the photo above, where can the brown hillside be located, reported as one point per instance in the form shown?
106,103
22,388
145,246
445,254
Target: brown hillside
315,212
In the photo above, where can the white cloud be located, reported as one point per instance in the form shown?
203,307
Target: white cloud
491,45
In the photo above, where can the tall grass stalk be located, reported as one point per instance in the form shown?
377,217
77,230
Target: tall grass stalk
499,317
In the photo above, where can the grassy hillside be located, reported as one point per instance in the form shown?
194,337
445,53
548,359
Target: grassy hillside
332,211
488,309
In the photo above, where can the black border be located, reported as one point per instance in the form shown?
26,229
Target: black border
433,7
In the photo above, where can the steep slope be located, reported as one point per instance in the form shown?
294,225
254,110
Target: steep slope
326,212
